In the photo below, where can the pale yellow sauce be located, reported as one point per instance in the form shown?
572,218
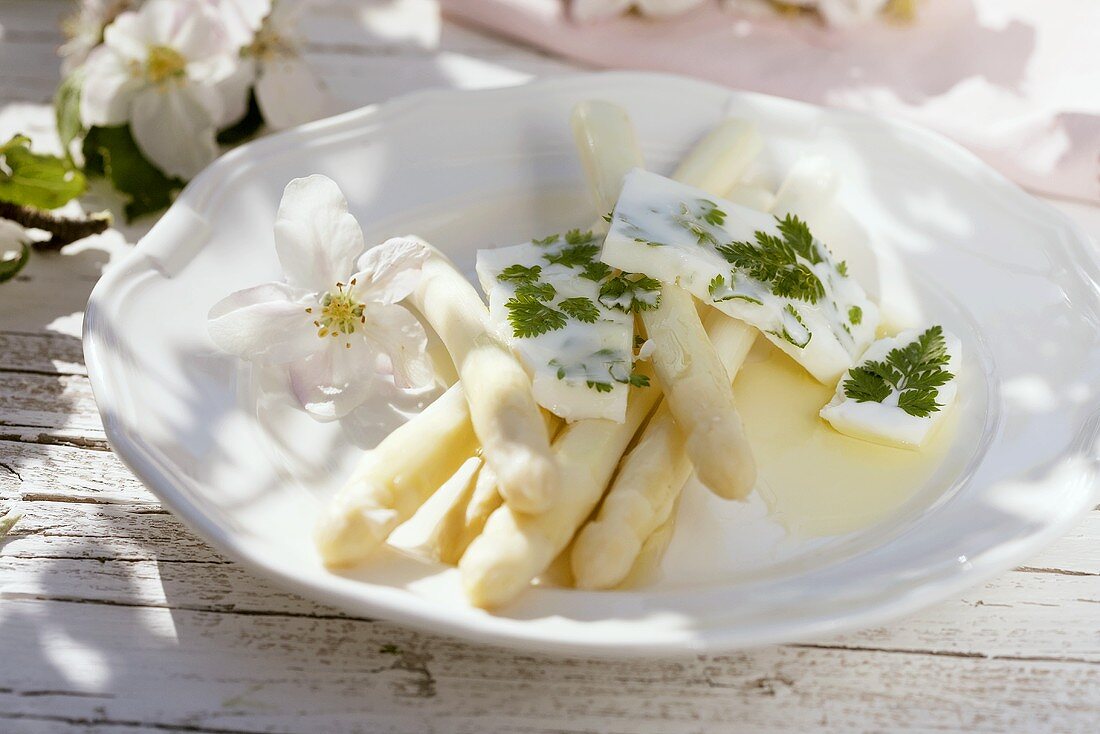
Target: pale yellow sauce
815,480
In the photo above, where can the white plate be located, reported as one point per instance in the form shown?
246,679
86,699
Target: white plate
956,242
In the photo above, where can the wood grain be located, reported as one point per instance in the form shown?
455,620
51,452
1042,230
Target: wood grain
115,618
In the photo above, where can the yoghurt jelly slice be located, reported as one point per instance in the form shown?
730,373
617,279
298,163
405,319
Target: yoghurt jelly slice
569,319
770,272
900,390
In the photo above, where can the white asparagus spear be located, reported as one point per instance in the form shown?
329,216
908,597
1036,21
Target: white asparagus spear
608,149
506,418
395,478
650,479
515,547
720,159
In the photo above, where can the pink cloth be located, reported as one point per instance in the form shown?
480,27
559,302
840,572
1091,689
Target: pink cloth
1016,81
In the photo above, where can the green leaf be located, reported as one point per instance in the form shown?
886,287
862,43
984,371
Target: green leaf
855,315
530,318
111,152
596,271
535,291
631,296
919,403
548,240
577,237
599,386
865,386
37,180
580,308
638,380
10,268
246,127
915,371
520,274
577,255
66,105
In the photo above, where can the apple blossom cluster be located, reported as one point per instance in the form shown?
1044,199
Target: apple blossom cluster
832,12
155,89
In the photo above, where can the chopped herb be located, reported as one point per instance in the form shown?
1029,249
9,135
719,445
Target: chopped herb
774,261
607,217
535,292
519,274
855,315
638,380
577,237
711,213
842,268
530,317
599,386
580,308
785,333
548,240
631,296
596,271
916,371
720,292
575,255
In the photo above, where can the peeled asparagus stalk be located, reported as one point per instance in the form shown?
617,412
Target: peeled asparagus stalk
515,547
395,478
505,416
608,149
650,479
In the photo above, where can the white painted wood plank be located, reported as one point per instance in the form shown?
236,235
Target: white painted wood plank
269,673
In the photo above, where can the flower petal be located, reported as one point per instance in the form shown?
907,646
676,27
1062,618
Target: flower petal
132,33
233,91
266,322
394,332
332,383
174,127
317,240
290,94
390,271
108,89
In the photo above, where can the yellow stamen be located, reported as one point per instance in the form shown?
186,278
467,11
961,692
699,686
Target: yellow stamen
164,63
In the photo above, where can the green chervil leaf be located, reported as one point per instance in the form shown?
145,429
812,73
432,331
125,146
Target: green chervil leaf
580,308
577,237
596,271
637,380
529,317
774,260
711,213
549,240
915,371
599,386
855,315
578,255
519,274
37,180
631,296
535,292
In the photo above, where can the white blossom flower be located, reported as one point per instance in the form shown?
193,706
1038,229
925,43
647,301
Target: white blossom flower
287,91
588,10
84,30
335,322
171,71
242,18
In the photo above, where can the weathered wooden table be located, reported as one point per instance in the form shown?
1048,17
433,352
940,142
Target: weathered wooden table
115,618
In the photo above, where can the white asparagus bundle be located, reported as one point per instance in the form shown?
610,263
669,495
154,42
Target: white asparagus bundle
505,416
395,478
516,547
